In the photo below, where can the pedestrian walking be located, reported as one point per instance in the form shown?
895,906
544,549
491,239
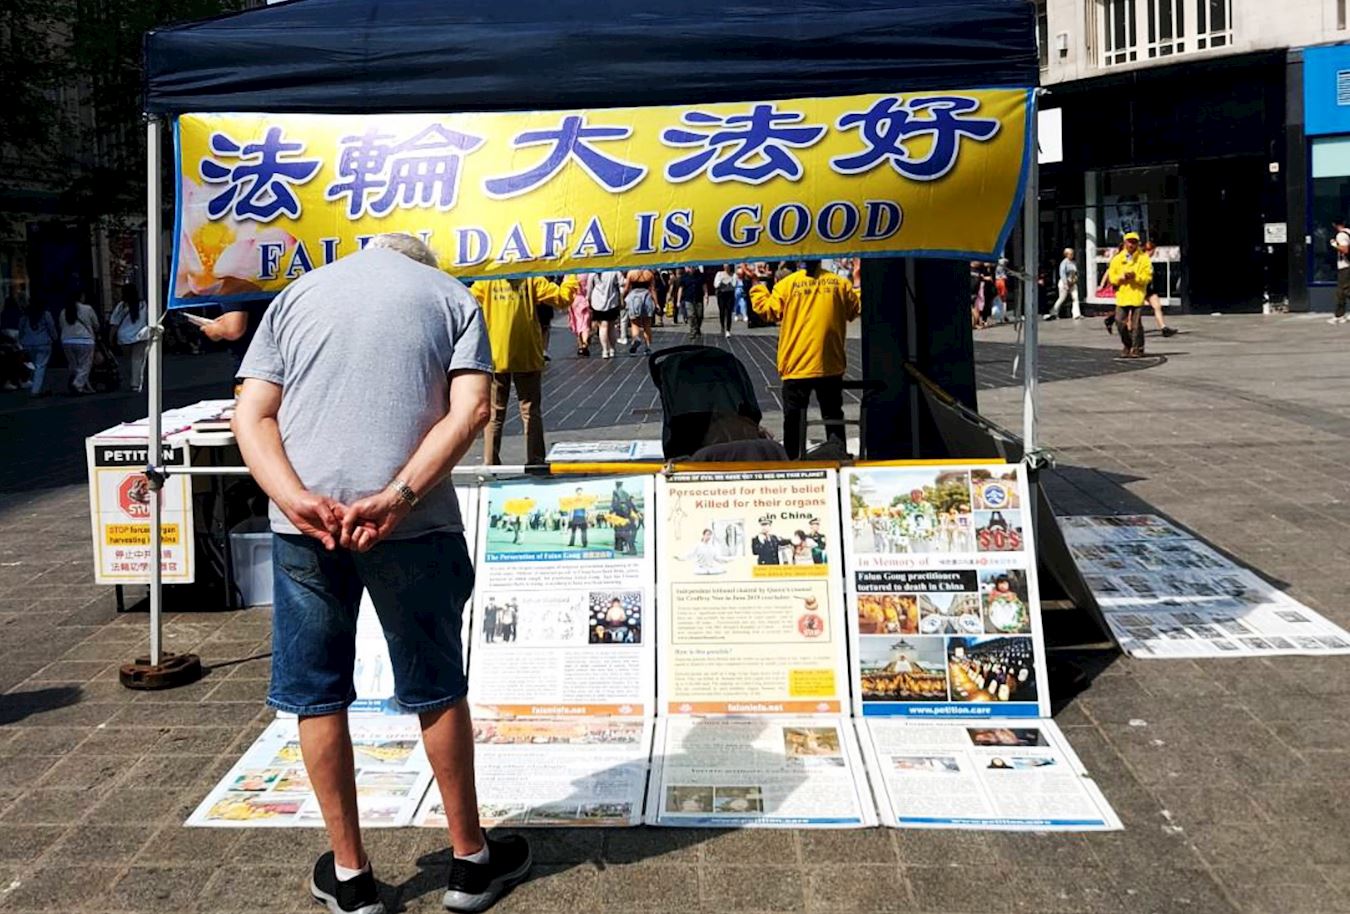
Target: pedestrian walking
981,294
510,307
579,316
1068,288
1151,294
742,291
639,296
607,308
690,293
664,294
131,332
1130,272
38,336
79,331
813,307
1341,245
355,448
724,286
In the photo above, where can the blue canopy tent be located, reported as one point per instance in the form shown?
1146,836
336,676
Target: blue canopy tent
383,56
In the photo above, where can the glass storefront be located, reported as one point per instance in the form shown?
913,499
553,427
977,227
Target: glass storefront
1329,196
1143,200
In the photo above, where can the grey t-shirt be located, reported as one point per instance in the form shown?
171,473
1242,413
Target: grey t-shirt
362,349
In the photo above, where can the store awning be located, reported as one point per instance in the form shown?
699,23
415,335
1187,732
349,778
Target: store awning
356,56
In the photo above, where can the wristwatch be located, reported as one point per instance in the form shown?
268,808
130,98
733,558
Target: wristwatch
404,492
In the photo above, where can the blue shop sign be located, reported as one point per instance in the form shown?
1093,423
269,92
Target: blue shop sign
1326,90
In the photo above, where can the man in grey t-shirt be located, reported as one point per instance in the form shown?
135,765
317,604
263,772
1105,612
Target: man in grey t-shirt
366,383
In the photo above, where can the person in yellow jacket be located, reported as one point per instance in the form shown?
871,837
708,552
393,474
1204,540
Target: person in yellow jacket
518,354
1130,271
813,307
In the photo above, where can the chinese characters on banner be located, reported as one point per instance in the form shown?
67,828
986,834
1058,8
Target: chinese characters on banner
263,199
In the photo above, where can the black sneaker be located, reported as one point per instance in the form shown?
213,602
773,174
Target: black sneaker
1169,331
356,896
477,886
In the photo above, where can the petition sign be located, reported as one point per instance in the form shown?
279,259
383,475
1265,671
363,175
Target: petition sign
263,199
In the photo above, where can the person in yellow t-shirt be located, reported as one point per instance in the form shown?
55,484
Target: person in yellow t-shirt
1130,271
518,354
813,307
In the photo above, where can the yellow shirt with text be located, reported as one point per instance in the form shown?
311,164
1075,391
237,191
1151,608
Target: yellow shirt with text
513,329
813,312
1130,294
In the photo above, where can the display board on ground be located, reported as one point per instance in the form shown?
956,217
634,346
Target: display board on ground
1166,594
742,574
563,602
582,772
562,656
1006,775
752,656
944,611
268,786
750,609
757,772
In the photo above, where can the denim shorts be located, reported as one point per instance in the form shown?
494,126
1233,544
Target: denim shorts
419,587
640,304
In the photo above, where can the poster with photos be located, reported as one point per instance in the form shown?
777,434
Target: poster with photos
563,600
269,788
749,572
1165,593
943,607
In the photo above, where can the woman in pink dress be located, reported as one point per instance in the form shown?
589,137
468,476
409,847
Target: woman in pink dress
579,316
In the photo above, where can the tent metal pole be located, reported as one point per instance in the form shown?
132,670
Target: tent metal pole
1031,226
155,381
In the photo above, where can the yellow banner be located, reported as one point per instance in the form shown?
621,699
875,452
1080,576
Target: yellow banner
264,198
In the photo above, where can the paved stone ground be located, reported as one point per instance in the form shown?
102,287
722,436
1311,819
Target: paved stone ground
1230,775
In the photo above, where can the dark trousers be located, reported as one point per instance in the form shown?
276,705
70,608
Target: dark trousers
695,312
1342,290
1133,335
726,308
572,540
797,396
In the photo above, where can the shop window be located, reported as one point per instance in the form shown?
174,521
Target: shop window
1330,179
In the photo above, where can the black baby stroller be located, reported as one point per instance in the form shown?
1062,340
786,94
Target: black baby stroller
106,374
707,399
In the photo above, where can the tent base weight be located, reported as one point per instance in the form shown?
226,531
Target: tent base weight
173,670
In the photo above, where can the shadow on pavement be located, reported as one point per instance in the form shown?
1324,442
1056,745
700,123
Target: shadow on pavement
620,846
19,706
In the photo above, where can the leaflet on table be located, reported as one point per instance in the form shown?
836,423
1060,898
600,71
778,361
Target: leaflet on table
767,771
563,601
172,421
1010,775
268,786
605,451
944,610
119,512
750,615
534,773
1165,594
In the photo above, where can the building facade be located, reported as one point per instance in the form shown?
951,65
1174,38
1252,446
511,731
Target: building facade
1184,120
